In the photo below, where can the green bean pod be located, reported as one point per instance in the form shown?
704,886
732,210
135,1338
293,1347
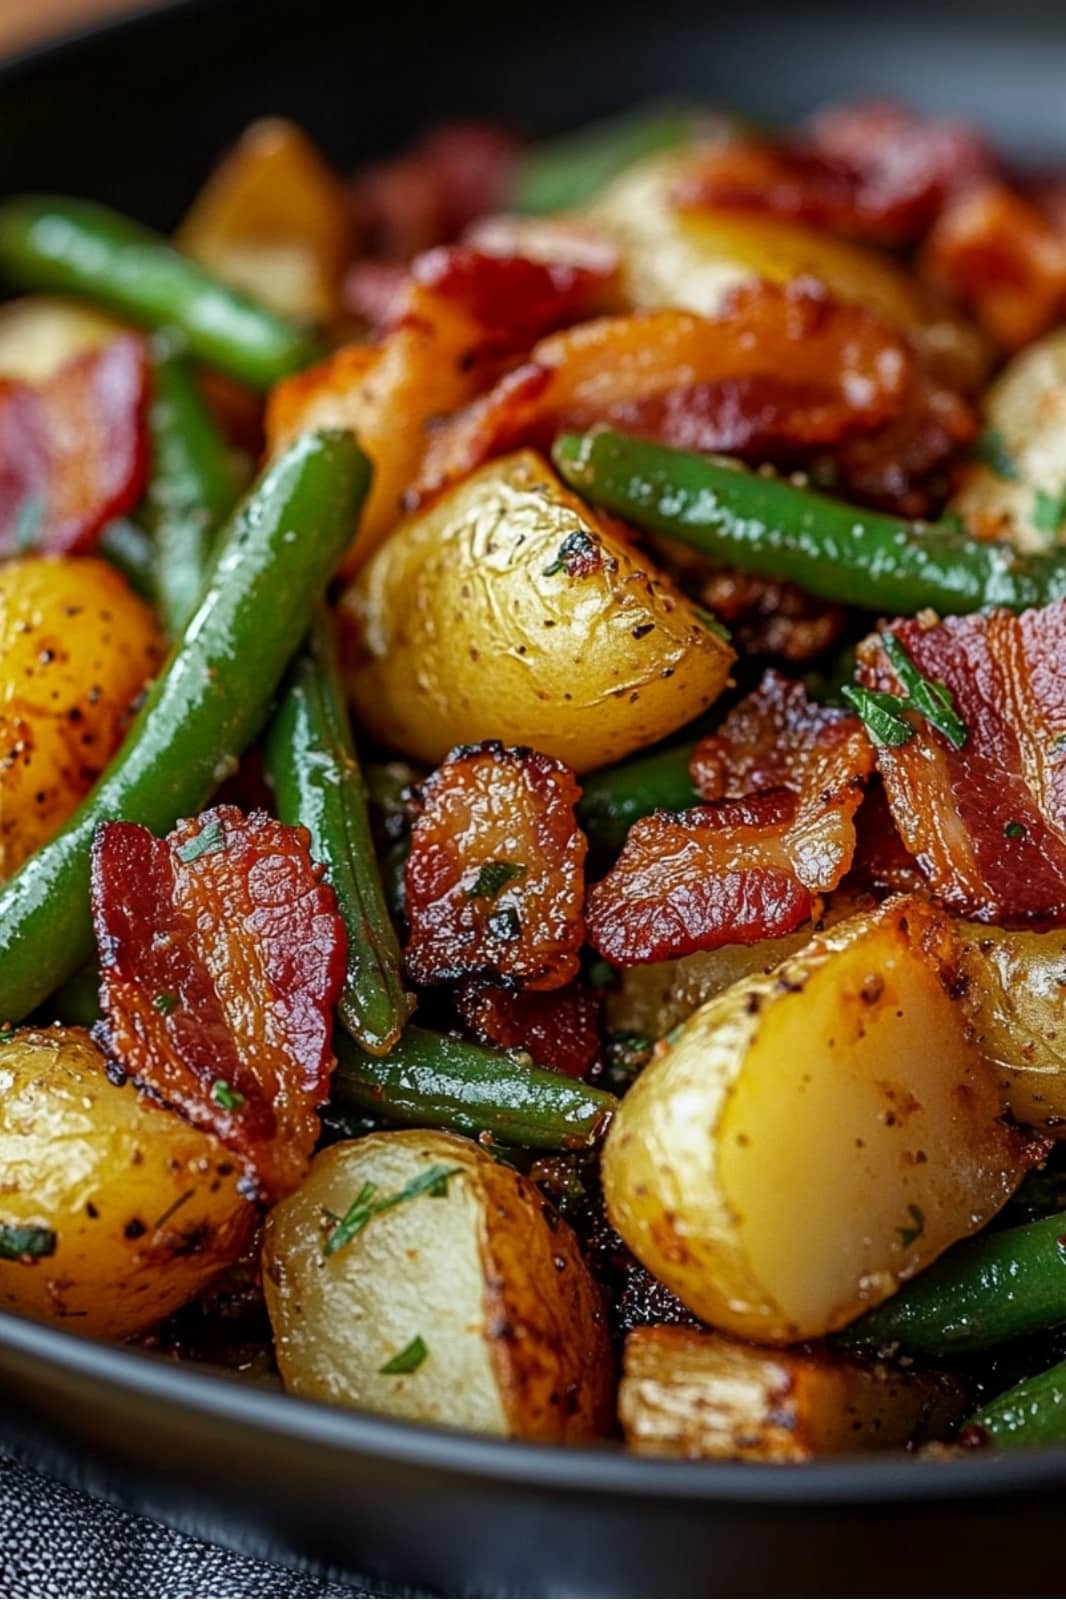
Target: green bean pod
1006,1283
79,248
769,527
432,1081
616,797
205,708
193,484
561,174
1032,1413
317,783
131,552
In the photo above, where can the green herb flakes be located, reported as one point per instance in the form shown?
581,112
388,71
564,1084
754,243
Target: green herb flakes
881,714
1015,830
29,520
366,1205
991,449
934,701
409,1359
165,1003
1049,511
26,1242
207,842
915,1228
493,879
223,1095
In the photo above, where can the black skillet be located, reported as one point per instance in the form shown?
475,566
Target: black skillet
134,114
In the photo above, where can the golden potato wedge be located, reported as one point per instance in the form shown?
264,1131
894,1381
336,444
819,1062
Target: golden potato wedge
1015,997
509,611
1016,491
273,219
113,1212
698,1394
76,648
41,333
810,1139
466,1304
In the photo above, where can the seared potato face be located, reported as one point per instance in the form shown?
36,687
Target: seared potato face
461,1304
508,611
76,647
114,1211
1016,1001
800,1148
41,333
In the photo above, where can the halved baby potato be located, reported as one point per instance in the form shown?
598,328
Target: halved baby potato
466,1303
510,611
811,1138
698,1394
113,1211
41,333
1015,998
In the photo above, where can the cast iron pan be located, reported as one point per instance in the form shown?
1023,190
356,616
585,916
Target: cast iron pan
134,114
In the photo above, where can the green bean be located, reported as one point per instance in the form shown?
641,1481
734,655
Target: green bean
205,708
79,248
1032,1413
561,174
317,783
616,797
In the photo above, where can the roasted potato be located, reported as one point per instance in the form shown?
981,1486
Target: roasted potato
1015,492
689,1393
1015,997
467,1304
509,611
76,648
273,220
798,1149
41,333
113,1211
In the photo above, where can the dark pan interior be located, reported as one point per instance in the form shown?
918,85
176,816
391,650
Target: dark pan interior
134,115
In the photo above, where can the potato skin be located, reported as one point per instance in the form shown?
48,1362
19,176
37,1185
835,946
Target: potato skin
798,1151
512,1321
468,624
76,647
145,1209
1014,1000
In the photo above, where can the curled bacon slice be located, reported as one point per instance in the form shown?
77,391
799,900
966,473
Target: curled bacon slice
987,822
778,367
494,881
221,958
787,777
73,450
559,1028
433,191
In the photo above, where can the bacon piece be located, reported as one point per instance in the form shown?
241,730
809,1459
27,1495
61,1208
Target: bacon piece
873,171
780,366
559,1028
430,194
882,861
73,451
767,618
906,467
1002,258
987,823
787,777
494,881
221,958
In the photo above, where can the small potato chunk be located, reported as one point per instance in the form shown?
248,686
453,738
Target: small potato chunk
812,1138
40,333
481,1305
127,1211
1016,1001
76,648
1016,492
710,1398
509,611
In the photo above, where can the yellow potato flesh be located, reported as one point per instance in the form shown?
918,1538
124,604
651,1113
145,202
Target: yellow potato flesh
1016,1001
40,334
812,1138
466,625
144,1209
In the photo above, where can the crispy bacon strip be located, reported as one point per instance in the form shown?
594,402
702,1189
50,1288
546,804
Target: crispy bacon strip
787,777
73,450
779,367
221,958
432,192
495,877
1004,259
987,823
559,1028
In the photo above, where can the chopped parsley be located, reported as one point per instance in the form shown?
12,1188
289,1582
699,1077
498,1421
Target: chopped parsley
209,840
934,701
1015,830
709,621
493,879
882,714
991,449
1049,511
224,1095
165,1003
366,1205
26,1241
914,1230
578,551
505,924
409,1359
29,519
6,1035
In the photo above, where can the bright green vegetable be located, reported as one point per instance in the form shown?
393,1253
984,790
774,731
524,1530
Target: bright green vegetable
1032,1413
317,783
130,551
616,797
560,174
193,485
432,1081
206,706
769,527
1006,1283
79,248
